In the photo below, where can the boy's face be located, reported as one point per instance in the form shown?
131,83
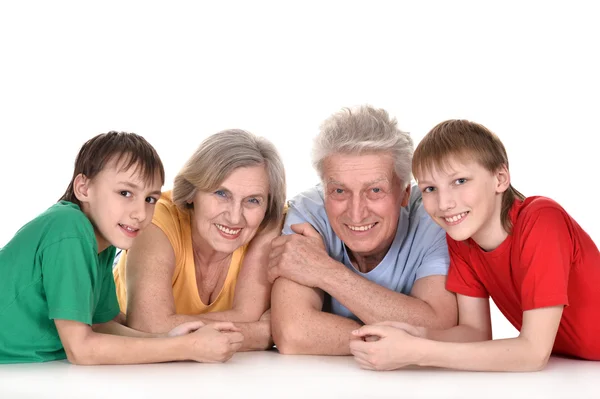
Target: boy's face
119,204
465,199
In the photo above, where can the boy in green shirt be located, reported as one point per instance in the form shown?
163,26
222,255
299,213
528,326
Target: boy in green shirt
57,293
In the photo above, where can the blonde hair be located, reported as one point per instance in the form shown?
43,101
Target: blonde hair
467,140
362,130
221,154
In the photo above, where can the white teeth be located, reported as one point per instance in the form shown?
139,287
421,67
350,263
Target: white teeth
361,228
128,228
226,230
456,218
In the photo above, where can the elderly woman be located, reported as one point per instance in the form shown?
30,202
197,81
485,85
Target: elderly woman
204,256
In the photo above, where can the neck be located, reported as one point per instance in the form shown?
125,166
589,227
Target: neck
367,262
492,234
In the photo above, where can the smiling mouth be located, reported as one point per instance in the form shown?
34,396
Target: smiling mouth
128,230
455,218
227,230
365,227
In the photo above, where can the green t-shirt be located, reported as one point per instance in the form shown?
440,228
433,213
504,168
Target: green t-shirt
51,269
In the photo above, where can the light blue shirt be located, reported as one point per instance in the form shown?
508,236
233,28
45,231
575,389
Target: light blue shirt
418,250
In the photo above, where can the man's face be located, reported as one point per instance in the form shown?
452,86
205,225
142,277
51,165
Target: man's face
363,197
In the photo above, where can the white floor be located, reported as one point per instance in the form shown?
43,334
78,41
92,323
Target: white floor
271,375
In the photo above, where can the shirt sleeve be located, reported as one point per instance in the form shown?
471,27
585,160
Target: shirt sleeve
545,248
108,304
462,278
436,259
69,270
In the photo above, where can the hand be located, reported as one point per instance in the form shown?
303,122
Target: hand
185,328
215,342
299,257
394,347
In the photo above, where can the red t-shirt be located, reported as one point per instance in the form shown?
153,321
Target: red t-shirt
548,260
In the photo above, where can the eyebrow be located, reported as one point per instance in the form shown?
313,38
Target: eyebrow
246,196
452,176
138,188
367,184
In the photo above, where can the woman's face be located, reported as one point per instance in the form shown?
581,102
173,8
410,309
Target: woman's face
228,217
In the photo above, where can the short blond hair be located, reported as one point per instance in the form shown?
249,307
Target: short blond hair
222,153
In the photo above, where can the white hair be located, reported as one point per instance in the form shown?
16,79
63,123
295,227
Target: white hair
363,130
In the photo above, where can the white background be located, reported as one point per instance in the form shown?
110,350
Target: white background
178,71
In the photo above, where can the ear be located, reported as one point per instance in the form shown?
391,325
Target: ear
81,187
406,197
502,179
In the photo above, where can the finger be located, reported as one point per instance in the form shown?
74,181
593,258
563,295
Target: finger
224,326
359,346
409,328
306,229
276,252
236,346
364,364
279,241
235,337
379,331
194,325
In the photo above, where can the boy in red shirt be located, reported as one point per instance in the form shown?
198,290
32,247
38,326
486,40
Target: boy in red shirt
538,265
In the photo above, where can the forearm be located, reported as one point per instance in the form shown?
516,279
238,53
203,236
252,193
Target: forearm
373,303
313,333
115,328
514,354
460,333
257,335
115,349
163,324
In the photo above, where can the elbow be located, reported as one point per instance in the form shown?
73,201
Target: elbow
287,337
79,355
538,361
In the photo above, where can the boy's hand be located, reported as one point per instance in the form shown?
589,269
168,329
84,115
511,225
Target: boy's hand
185,328
215,342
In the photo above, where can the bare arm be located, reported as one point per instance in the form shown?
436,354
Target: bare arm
302,258
150,302
529,351
214,343
301,327
428,305
403,345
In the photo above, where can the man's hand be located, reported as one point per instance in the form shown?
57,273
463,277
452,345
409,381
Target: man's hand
387,346
299,257
185,328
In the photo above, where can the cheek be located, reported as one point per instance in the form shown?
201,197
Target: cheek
335,208
254,217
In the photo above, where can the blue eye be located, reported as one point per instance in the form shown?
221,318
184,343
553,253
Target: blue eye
254,201
339,191
221,193
460,181
376,190
428,189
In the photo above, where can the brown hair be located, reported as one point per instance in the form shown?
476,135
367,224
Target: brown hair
131,148
465,139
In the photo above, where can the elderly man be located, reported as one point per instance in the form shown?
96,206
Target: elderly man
358,248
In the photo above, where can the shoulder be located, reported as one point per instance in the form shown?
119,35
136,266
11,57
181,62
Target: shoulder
537,209
313,198
65,220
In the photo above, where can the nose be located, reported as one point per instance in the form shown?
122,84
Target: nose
358,208
445,200
139,211
235,213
